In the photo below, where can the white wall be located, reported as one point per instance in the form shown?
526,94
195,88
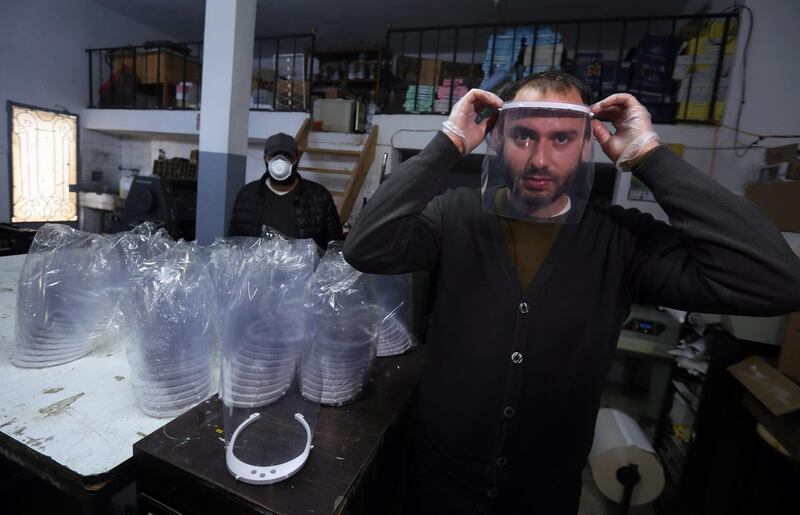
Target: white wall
43,61
773,81
177,133
184,124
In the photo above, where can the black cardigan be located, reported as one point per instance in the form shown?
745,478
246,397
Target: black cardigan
538,409
313,206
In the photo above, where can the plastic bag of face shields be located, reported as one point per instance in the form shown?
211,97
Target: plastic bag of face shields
343,322
68,292
140,245
265,328
174,339
394,334
268,424
225,258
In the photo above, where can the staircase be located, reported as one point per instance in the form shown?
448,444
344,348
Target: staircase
339,161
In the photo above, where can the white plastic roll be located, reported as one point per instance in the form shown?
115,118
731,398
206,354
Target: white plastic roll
618,442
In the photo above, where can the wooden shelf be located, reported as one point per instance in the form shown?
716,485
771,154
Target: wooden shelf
365,88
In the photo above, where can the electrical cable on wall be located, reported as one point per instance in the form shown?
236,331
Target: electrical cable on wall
754,144
739,8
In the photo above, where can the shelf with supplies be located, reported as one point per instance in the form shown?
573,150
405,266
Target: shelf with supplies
155,75
678,67
354,74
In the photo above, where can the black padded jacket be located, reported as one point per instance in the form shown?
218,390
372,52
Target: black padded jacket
313,205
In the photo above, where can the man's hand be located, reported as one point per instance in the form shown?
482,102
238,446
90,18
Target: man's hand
461,127
634,136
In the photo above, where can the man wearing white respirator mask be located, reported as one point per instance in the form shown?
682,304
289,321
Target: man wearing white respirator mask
533,283
284,201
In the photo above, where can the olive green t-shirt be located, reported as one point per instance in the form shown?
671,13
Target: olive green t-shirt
527,243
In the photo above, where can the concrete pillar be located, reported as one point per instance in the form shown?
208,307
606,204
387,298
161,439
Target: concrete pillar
224,114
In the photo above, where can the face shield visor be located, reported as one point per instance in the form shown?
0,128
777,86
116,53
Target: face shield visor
539,165
268,423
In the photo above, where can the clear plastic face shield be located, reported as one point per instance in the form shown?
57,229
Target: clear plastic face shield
268,423
540,162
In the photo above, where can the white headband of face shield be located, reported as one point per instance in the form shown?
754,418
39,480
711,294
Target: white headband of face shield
561,106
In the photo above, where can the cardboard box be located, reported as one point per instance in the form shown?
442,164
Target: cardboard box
100,201
334,115
699,110
186,94
785,154
779,200
331,93
430,71
789,359
159,67
777,392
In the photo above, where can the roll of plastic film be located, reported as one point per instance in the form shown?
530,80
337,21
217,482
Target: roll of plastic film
619,442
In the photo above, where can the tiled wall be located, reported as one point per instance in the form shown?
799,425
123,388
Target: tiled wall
100,152
136,154
171,149
107,153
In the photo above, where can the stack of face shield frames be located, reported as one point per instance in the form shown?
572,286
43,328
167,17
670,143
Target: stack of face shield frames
68,292
173,349
394,334
263,368
540,162
268,424
342,304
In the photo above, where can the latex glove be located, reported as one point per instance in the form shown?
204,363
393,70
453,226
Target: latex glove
634,136
461,127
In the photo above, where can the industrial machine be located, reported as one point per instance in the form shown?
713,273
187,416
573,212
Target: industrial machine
172,203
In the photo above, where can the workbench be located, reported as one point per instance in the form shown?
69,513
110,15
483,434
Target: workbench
72,425
357,464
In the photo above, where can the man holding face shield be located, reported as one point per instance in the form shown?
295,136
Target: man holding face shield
534,283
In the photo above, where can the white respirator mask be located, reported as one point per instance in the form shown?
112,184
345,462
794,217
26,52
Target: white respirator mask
280,168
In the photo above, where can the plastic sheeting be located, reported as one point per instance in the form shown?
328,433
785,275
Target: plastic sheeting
268,424
174,338
394,334
344,316
68,292
265,326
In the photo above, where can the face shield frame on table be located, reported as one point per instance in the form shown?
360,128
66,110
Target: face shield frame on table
539,164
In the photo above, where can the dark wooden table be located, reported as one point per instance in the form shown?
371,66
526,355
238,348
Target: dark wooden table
357,464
